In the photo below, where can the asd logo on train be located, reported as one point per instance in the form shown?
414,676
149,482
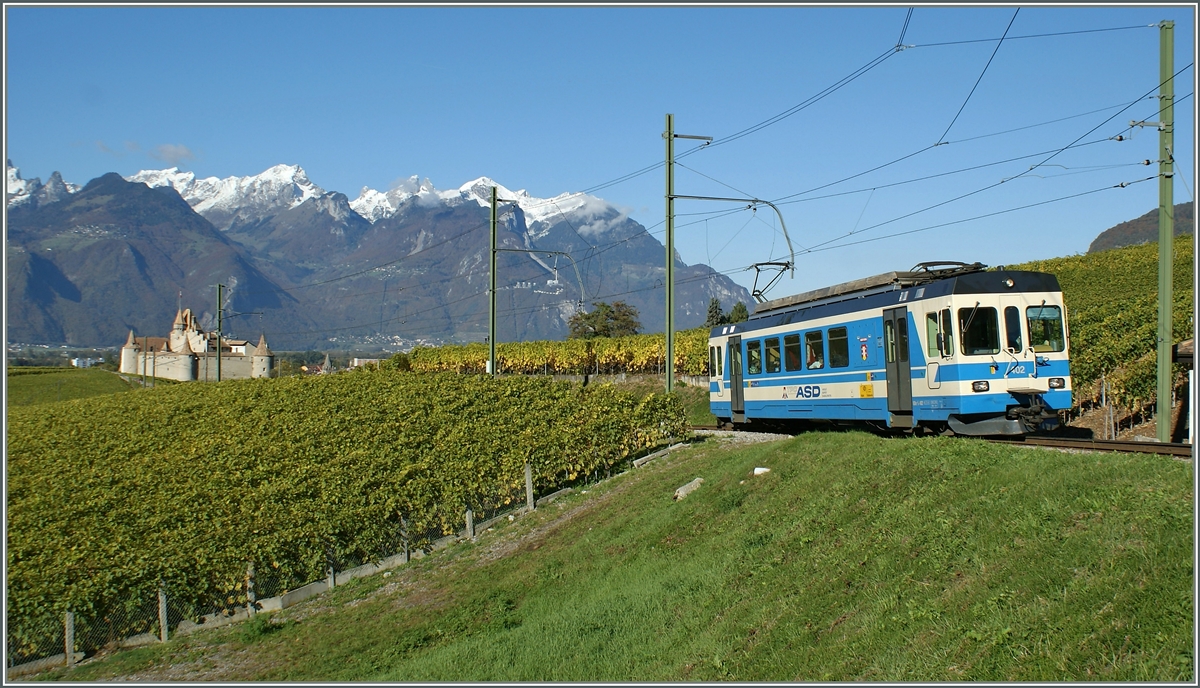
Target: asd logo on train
805,392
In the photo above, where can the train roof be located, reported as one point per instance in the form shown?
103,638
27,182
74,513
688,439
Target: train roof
937,278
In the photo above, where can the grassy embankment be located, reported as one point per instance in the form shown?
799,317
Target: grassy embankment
854,558
29,386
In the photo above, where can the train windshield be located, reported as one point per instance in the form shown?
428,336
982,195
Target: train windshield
1045,328
980,330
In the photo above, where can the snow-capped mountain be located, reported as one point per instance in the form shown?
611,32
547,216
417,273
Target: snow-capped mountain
21,191
237,201
589,215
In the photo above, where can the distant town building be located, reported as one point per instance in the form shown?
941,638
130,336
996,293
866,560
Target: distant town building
318,369
86,362
189,353
356,362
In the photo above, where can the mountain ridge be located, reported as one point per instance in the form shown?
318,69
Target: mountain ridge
321,267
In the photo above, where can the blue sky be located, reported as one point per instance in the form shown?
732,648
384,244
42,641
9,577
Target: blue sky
559,99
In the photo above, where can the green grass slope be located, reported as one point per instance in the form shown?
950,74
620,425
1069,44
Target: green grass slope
856,558
50,385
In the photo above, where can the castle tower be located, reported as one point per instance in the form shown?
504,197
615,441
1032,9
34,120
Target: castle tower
177,336
262,360
129,355
191,362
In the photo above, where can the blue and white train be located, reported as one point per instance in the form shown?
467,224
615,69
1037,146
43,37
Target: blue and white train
942,347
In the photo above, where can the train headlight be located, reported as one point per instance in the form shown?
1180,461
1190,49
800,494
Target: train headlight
1008,283
980,386
1057,383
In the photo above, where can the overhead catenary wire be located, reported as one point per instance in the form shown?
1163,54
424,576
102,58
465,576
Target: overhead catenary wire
985,68
1050,157
1122,185
1033,35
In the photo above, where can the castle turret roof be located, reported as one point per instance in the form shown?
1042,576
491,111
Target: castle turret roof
262,349
131,342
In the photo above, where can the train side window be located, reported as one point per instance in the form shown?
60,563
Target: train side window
772,345
754,357
980,330
791,352
839,348
947,333
1012,328
720,361
902,338
933,347
815,347
1045,328
712,361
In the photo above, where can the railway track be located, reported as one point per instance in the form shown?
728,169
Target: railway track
1160,448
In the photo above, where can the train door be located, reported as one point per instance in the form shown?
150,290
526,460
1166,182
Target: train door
899,371
737,403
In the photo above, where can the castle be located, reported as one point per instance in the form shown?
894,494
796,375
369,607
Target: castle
190,353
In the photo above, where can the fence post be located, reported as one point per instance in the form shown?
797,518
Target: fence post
69,637
162,612
404,537
470,523
251,599
331,576
529,503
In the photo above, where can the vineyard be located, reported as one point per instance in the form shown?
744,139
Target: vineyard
638,354
187,485
1112,313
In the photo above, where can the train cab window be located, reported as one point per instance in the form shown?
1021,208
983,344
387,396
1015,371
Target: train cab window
814,349
1045,328
791,352
931,335
947,332
980,330
772,354
720,362
712,361
1012,328
754,357
839,348
939,334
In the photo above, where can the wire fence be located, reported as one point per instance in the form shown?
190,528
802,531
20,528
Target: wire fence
139,619
35,641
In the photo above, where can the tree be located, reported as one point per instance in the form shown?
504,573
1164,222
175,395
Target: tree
738,313
716,316
616,320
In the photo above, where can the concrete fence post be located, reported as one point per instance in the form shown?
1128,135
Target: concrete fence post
69,637
470,523
404,538
331,574
162,612
251,599
529,486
